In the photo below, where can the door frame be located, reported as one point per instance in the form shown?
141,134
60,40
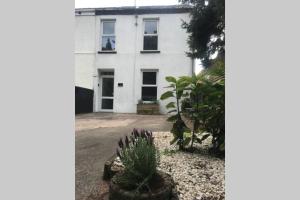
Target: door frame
100,93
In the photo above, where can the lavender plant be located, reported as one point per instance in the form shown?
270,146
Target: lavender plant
140,159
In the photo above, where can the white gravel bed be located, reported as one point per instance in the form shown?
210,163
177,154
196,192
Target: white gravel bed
197,176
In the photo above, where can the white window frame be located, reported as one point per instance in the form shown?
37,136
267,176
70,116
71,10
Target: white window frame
149,85
151,34
107,35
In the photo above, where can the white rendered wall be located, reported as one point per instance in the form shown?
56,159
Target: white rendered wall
128,62
84,51
172,60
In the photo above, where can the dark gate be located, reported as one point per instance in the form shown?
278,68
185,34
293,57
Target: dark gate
83,100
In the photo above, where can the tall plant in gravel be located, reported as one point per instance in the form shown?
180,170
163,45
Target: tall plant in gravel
192,107
175,94
206,104
140,159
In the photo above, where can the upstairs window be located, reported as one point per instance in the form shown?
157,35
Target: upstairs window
151,34
108,35
149,87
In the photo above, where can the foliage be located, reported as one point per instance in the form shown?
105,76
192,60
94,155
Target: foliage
175,94
206,104
206,28
192,106
140,159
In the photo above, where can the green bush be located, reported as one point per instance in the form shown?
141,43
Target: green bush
140,159
201,99
205,105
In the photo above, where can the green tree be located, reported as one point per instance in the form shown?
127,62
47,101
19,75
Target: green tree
206,29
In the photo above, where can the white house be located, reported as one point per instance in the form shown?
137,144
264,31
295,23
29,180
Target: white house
124,54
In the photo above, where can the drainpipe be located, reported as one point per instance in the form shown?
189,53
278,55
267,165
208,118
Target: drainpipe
134,67
95,71
193,66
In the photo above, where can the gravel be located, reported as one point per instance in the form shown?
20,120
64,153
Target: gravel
197,176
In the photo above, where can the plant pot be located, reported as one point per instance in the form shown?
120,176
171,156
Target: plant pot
163,192
148,109
110,169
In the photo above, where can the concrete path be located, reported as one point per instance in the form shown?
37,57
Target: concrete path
96,138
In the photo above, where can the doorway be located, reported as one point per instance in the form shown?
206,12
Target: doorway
106,91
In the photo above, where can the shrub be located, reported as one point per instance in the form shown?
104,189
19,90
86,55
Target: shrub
140,159
205,105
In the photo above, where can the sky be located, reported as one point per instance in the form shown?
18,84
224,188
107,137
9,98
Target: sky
118,3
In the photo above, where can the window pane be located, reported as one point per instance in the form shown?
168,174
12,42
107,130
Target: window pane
150,27
108,43
107,104
149,93
108,87
108,27
149,78
150,42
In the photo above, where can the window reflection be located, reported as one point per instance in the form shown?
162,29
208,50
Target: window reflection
108,43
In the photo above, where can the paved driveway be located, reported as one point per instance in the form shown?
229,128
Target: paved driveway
96,140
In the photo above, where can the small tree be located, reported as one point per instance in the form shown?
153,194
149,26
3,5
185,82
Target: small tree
206,104
175,93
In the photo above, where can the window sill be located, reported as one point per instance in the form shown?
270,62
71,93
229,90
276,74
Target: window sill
148,102
107,52
150,51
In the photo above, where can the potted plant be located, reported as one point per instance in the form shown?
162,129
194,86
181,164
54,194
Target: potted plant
140,179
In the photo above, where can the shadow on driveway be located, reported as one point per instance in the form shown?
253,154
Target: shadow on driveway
96,140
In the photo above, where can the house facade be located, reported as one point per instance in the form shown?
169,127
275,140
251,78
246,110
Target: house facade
124,54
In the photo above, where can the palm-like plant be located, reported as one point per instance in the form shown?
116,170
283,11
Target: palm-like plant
175,93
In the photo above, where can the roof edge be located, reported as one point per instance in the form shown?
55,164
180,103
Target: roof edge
131,10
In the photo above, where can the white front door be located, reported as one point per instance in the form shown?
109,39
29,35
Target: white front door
106,93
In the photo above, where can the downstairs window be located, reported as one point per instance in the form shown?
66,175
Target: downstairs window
149,86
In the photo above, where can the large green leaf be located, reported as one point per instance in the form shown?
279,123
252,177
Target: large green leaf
171,79
187,134
186,78
172,118
172,85
170,105
166,95
186,141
